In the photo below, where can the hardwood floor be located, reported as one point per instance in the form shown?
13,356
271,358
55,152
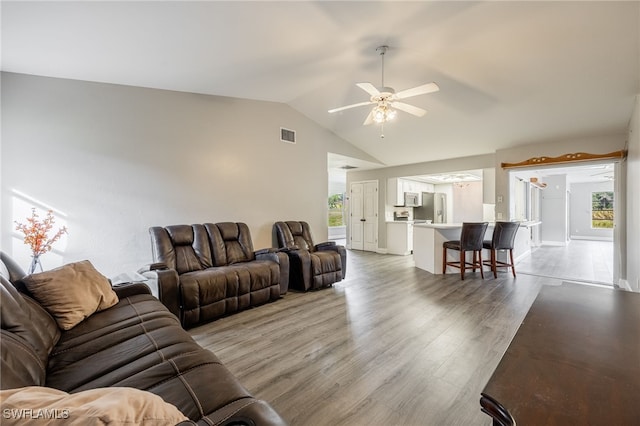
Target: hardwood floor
390,345
580,260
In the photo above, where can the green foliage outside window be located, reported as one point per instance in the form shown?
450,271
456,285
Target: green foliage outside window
336,210
602,209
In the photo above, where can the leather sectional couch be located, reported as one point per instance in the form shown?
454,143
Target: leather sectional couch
135,343
206,271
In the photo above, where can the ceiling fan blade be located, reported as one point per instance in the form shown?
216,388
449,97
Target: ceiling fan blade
420,90
419,112
350,106
369,88
369,119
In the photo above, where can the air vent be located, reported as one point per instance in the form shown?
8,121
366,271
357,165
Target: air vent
287,135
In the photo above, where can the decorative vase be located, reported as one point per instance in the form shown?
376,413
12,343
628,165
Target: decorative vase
35,264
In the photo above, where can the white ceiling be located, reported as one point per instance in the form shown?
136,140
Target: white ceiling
510,73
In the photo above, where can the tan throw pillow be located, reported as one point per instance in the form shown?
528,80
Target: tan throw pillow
71,292
36,405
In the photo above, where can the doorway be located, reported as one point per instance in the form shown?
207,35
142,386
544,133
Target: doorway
571,244
363,216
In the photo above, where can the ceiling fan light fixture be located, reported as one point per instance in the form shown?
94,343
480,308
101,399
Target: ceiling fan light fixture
382,114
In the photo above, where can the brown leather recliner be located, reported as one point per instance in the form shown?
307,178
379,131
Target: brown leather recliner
313,266
207,271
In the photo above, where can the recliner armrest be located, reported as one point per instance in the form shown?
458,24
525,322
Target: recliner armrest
152,267
282,259
131,289
300,268
263,251
266,254
324,245
341,250
164,284
288,249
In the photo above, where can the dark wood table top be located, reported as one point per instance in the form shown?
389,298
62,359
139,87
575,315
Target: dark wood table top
574,360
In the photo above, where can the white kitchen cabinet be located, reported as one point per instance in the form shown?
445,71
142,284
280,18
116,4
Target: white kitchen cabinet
399,238
396,187
395,191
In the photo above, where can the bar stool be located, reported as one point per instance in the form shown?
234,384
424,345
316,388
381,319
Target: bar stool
471,239
504,234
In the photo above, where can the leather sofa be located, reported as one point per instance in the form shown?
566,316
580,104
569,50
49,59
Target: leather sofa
206,271
313,266
136,343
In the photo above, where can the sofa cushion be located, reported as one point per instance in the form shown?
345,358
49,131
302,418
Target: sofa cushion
19,363
301,235
105,406
230,242
28,336
139,343
71,292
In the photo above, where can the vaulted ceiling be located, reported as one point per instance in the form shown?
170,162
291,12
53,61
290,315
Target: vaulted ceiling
510,73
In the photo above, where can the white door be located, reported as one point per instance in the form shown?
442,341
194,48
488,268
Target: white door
356,202
364,216
370,216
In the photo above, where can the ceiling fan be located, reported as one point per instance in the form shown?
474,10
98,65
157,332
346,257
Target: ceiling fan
386,99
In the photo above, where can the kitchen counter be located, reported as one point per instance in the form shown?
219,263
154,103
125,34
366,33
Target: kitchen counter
429,237
527,224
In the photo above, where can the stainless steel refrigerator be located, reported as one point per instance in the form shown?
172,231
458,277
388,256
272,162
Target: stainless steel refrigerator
434,208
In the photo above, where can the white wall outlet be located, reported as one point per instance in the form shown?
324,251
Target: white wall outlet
499,216
499,199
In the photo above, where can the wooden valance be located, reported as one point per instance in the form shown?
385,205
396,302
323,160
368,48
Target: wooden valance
566,158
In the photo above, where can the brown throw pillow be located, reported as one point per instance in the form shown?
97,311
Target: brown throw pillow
71,292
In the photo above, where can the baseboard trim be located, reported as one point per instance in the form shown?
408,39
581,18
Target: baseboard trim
381,250
522,256
582,237
624,284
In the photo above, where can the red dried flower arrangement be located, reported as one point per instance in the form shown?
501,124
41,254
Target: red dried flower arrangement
36,232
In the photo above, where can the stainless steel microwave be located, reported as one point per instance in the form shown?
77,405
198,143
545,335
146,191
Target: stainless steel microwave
411,199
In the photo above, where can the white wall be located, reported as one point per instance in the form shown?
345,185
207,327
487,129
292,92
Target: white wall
467,203
580,211
553,211
632,243
114,160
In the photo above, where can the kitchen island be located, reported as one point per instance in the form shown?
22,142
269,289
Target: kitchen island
428,239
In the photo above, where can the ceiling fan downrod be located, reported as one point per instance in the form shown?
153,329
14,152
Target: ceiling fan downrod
382,50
